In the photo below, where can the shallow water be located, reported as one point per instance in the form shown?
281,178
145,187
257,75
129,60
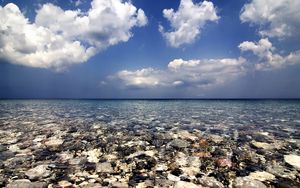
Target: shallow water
143,142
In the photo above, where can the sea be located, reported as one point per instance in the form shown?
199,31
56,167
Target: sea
149,143
188,114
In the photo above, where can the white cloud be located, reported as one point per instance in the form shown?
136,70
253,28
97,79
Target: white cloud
143,78
267,57
187,22
192,73
279,18
58,38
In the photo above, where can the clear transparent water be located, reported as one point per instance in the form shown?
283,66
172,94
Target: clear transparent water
206,115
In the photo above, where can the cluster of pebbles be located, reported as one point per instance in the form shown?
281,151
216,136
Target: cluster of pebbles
144,151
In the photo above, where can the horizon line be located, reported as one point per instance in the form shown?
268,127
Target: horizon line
158,98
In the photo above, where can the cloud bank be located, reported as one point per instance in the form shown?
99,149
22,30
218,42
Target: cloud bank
206,73
187,22
195,73
268,59
58,38
278,18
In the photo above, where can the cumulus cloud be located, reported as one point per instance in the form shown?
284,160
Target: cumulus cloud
267,57
278,18
187,22
58,38
191,73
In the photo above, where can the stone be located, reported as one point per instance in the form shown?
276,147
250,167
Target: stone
293,160
224,162
172,177
202,154
262,176
119,185
216,138
280,171
38,172
287,183
179,144
93,155
161,168
210,182
246,182
24,183
262,145
65,184
14,148
185,135
164,183
104,167
54,143
184,184
2,148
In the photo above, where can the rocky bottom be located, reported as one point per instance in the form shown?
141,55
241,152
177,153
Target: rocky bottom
140,155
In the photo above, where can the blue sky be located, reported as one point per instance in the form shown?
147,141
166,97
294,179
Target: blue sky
147,49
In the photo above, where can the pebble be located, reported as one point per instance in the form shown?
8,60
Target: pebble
245,182
262,145
179,144
65,184
38,172
293,160
210,182
184,184
262,176
224,162
104,167
24,183
54,143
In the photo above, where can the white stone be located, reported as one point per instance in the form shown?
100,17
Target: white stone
38,172
262,145
93,155
293,160
184,184
65,184
173,178
246,182
54,142
104,167
261,176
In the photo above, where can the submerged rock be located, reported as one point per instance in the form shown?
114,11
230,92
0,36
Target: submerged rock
293,160
184,184
245,182
24,183
224,162
179,144
54,143
262,176
65,184
104,167
210,182
38,172
262,145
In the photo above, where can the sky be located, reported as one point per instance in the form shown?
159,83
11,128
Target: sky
149,49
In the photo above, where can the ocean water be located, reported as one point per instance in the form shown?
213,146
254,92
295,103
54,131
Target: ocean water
188,114
121,143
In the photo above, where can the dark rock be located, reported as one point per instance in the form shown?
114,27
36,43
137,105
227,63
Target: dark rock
177,172
89,166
